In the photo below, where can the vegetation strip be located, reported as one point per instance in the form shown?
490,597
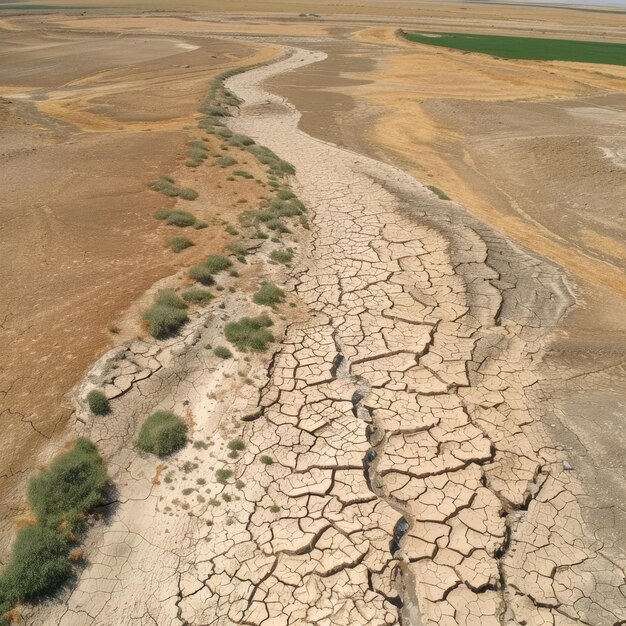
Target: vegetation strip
527,48
60,497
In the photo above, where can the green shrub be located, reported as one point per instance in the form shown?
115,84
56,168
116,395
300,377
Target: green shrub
226,161
222,352
162,214
269,295
243,174
285,194
238,250
241,141
38,565
168,297
180,218
197,296
216,263
225,133
250,333
98,402
275,509
202,274
266,460
166,186
278,226
223,475
231,230
200,225
281,256
162,434
166,315
179,243
305,222
72,485
236,445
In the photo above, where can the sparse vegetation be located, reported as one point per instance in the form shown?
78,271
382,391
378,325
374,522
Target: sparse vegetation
202,274
179,243
222,475
238,250
60,497
167,187
163,433
222,352
196,153
216,263
182,219
237,445
166,315
274,509
197,296
243,174
268,295
266,460
98,402
231,230
250,333
162,214
200,225
282,256
226,161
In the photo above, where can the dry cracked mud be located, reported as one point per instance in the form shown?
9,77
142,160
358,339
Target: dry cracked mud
396,468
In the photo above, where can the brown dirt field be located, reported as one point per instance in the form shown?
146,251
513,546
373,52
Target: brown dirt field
82,134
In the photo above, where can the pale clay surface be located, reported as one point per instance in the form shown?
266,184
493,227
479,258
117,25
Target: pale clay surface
404,401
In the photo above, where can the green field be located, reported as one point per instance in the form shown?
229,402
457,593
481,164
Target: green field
531,48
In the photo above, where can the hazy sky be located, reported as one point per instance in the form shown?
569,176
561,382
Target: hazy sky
604,3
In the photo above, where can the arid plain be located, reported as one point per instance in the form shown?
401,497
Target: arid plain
443,405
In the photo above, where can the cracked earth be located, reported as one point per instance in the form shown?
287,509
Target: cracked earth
396,468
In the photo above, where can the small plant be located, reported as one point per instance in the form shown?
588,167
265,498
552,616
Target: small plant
187,491
182,219
222,352
222,475
202,274
442,195
162,214
167,187
275,509
197,296
237,445
226,161
269,295
60,496
282,256
200,225
240,484
266,460
250,333
243,174
98,402
166,315
162,434
227,497
231,230
238,250
179,243
278,226
216,263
